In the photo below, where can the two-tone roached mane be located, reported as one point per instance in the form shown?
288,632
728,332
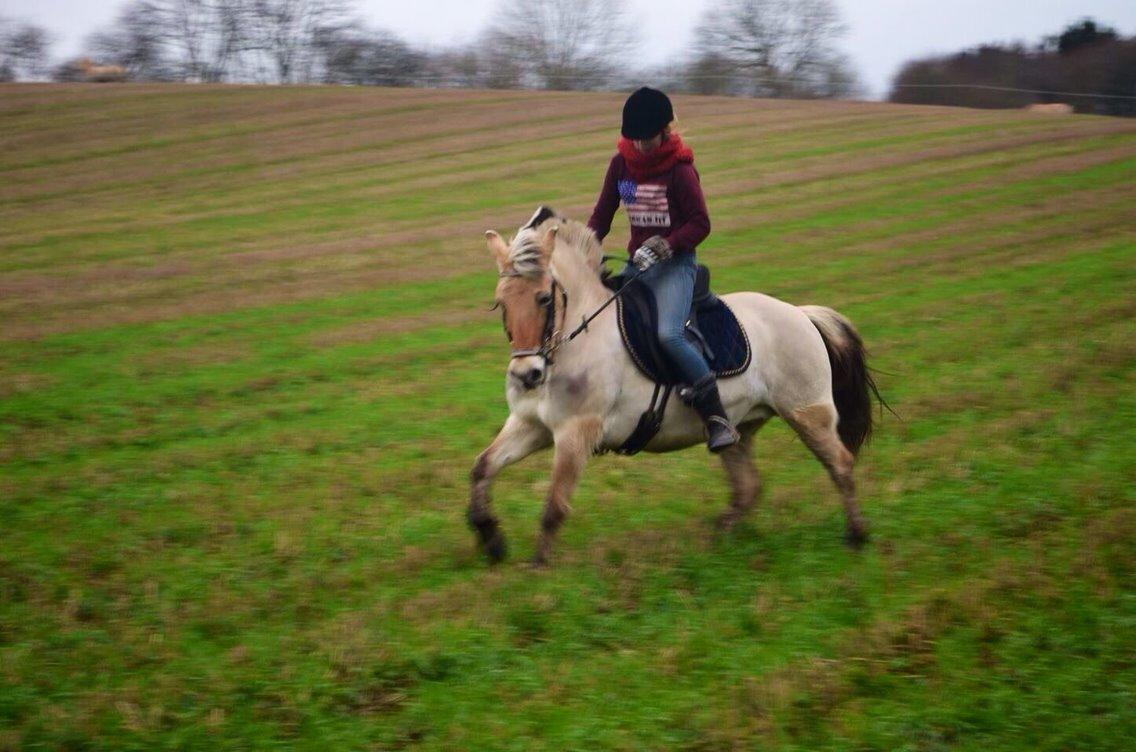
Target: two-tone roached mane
525,256
525,252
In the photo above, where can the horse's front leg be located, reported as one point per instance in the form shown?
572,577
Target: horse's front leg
517,439
575,441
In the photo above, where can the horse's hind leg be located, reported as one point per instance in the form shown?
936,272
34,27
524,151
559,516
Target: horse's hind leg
816,425
745,481
517,439
575,442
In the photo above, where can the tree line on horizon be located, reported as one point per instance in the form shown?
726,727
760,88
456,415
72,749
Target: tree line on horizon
1085,58
758,48
783,48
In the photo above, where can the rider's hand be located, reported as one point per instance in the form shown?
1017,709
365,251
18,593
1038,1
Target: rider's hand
654,250
644,258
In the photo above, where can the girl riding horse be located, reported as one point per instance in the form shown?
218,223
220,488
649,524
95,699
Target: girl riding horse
653,175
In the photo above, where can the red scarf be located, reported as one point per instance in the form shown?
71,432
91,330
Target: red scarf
667,155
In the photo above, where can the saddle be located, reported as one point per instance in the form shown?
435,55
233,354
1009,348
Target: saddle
710,326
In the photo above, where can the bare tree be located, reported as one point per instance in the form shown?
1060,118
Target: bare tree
483,65
363,57
778,48
287,30
23,50
247,40
670,76
135,41
461,67
711,73
562,44
501,67
206,38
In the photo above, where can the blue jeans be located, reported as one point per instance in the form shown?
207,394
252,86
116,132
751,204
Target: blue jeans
672,283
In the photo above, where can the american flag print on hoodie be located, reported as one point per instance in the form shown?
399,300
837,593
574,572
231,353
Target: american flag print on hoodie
646,203
669,204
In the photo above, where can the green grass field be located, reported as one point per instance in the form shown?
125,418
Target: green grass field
247,365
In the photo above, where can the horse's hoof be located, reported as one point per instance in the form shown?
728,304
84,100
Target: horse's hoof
495,549
855,539
538,563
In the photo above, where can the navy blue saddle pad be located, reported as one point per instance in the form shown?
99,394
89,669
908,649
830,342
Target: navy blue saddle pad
712,328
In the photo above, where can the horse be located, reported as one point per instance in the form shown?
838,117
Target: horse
584,396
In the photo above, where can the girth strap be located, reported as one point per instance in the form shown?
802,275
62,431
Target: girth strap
649,422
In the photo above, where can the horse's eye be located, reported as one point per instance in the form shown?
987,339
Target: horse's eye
543,298
505,326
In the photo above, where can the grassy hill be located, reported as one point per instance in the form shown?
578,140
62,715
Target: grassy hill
246,364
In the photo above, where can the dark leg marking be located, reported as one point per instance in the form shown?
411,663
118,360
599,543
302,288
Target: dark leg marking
480,517
745,481
816,425
516,440
574,444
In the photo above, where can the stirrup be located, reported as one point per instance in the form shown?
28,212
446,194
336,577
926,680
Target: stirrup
720,434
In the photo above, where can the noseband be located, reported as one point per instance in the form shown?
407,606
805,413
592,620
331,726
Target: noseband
550,339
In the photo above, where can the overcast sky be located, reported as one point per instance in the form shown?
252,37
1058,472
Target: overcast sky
882,34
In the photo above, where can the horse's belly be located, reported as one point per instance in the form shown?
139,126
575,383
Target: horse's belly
669,441
681,428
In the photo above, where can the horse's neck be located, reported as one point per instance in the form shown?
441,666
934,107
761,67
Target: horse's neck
586,294
598,343
582,285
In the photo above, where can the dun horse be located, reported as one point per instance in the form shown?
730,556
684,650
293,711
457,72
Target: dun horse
808,367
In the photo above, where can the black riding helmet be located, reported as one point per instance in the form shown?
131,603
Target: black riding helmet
646,113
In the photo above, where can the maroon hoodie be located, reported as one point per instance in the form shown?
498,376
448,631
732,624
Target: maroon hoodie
669,203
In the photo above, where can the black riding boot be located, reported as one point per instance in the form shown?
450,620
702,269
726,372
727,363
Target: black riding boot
703,397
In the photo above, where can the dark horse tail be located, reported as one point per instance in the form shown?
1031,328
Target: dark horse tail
852,384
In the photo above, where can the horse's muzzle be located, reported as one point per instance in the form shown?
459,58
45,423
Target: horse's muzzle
529,373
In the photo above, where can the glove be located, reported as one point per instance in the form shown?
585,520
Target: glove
654,250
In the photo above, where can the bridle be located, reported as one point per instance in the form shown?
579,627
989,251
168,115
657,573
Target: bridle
550,338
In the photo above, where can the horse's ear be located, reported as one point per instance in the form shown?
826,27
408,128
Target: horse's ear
540,215
497,246
547,243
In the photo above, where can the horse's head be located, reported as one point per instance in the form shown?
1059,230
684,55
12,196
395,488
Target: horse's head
527,300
